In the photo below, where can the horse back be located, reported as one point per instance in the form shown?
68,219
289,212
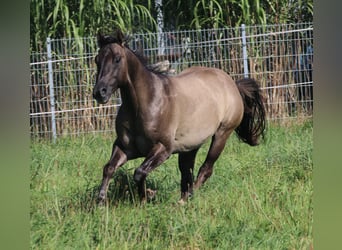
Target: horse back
208,88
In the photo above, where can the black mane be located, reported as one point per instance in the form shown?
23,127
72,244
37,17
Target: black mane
122,40
144,61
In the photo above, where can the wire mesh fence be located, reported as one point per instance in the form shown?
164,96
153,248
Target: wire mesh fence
280,57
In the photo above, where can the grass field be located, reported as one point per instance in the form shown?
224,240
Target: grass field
257,198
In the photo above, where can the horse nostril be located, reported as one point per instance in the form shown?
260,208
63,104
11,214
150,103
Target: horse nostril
103,91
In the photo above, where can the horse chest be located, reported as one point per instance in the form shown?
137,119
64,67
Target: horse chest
142,144
150,133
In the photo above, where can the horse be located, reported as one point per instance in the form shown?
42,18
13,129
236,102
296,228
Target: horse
161,115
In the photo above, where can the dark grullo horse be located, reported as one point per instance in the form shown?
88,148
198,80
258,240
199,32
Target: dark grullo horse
161,115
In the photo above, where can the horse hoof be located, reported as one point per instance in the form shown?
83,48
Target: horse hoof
101,202
181,202
151,194
185,196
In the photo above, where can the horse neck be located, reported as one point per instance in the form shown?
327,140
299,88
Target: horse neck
139,90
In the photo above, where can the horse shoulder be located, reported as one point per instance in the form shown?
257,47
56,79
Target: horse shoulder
126,132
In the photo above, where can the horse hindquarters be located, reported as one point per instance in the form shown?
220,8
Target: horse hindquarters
251,127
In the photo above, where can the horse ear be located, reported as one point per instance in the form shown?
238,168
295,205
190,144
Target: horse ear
120,37
100,39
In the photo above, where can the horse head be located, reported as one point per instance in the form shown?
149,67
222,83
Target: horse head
111,65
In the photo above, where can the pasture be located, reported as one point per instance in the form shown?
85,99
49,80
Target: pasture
257,198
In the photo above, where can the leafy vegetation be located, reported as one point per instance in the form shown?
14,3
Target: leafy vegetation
231,13
67,18
258,198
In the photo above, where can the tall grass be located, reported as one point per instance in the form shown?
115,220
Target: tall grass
257,198
65,18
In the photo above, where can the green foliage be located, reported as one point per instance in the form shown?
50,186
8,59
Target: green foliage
257,198
67,18
231,13
207,13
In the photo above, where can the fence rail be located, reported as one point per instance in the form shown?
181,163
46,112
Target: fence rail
280,57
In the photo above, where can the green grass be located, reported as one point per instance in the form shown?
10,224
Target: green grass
257,198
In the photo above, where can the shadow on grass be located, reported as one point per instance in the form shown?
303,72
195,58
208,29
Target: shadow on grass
122,190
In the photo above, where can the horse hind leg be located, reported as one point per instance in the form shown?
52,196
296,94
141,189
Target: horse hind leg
186,162
216,147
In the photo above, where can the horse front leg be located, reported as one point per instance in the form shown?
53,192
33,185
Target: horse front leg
157,156
117,159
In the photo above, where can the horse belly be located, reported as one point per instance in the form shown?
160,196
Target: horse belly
188,143
194,132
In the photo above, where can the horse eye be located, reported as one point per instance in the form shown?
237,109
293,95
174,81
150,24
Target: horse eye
117,59
96,59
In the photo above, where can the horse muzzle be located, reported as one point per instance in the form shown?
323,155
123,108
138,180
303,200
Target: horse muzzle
102,93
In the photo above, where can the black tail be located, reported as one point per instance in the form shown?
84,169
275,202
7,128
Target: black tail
253,122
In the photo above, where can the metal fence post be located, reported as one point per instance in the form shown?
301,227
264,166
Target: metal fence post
244,51
52,94
160,22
